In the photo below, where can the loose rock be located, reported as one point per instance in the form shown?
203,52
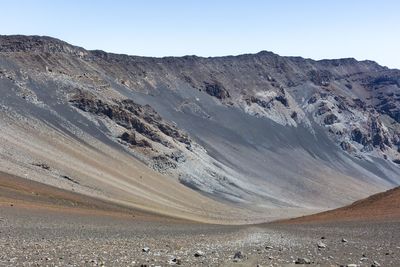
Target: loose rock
175,260
238,255
302,261
199,253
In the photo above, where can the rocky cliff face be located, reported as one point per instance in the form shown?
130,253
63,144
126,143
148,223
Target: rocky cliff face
256,129
139,127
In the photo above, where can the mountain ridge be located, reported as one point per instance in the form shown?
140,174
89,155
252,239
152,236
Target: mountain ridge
12,39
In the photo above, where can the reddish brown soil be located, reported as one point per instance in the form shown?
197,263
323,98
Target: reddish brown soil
21,193
383,206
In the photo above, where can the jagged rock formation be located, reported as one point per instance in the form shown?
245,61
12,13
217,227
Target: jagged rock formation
137,120
261,130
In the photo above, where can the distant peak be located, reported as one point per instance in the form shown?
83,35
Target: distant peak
34,43
265,52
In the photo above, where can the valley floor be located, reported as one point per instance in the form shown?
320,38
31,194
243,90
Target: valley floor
55,238
60,228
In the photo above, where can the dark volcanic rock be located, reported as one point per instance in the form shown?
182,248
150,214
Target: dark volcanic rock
384,81
132,116
330,119
260,102
19,43
131,139
216,90
42,165
322,77
346,146
238,255
302,261
312,99
322,109
359,137
162,163
283,100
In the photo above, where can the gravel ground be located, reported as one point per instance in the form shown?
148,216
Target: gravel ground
30,237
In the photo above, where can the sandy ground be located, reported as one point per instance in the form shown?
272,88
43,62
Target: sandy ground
44,226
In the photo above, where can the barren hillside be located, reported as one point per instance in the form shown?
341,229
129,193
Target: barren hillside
244,138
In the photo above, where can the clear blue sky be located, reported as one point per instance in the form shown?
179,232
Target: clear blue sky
364,29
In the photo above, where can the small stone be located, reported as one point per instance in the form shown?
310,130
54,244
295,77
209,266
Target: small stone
364,259
344,240
321,245
322,237
351,265
174,261
302,261
268,247
238,255
146,249
199,253
270,258
375,264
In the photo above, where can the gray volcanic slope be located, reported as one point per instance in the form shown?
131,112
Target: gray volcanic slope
261,135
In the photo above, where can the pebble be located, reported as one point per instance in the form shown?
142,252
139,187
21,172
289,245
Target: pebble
199,253
146,249
175,260
302,261
321,245
344,240
238,255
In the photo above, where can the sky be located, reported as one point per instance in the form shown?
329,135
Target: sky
318,29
